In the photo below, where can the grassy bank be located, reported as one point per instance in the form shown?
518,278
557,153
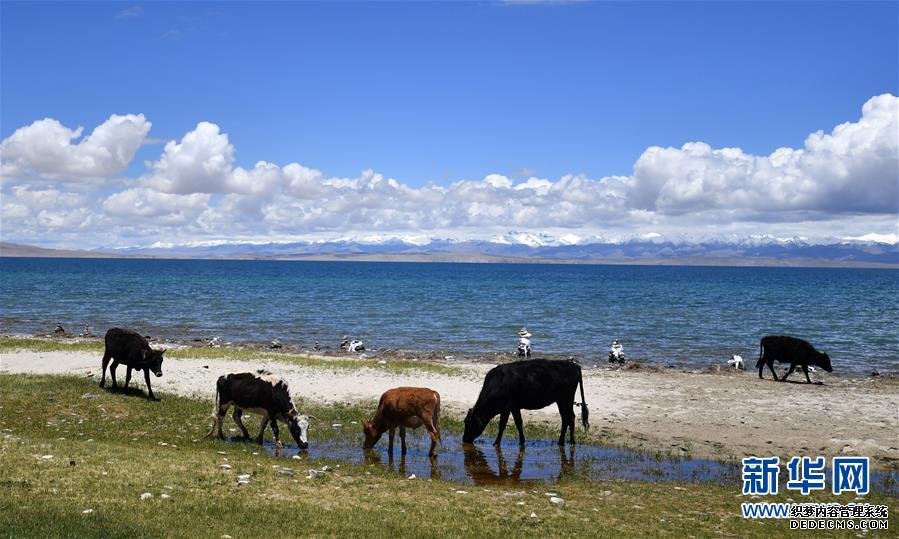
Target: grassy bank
76,459
11,344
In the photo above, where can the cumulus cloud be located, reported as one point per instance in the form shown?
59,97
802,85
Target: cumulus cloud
841,183
45,149
852,169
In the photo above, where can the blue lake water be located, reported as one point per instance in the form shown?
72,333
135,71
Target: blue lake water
690,316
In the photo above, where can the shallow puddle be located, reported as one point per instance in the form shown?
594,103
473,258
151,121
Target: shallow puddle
541,461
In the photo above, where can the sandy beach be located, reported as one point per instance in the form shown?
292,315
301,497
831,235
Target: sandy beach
722,416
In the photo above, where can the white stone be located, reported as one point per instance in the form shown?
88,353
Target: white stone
146,496
556,500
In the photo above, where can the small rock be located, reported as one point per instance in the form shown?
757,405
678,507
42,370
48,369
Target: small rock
519,503
226,536
243,477
295,457
164,496
461,492
326,468
146,496
550,494
411,476
47,457
556,500
533,515
313,474
225,466
337,425
87,511
285,471
221,453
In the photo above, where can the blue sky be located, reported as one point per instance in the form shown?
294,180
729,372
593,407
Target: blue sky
443,92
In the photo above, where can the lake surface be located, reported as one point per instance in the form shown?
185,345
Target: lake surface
688,316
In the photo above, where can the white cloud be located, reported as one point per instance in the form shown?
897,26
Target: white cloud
200,163
45,149
852,169
840,184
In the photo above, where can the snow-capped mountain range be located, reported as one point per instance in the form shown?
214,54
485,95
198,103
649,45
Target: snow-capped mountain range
522,246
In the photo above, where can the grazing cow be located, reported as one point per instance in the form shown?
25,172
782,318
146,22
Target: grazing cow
404,407
528,385
797,351
132,350
263,393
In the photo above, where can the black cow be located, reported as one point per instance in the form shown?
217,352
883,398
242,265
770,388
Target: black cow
263,393
529,385
797,351
132,350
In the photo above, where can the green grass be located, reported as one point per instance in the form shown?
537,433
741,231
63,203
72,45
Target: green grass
11,344
106,451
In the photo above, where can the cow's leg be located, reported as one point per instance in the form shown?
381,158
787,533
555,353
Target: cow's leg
237,416
277,434
218,414
115,363
569,409
770,364
431,425
563,413
261,437
390,440
789,372
106,358
516,415
503,419
127,377
403,439
149,388
805,369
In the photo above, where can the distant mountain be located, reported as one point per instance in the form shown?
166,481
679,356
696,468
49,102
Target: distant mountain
17,250
525,247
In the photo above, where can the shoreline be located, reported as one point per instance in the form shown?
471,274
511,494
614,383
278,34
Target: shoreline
455,357
723,416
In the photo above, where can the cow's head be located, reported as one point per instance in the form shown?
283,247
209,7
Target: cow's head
372,434
153,358
825,362
474,426
299,429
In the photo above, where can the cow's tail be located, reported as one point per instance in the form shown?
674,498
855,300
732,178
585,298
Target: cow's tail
758,364
216,408
585,413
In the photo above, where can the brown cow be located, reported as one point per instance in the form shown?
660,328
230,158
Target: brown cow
404,407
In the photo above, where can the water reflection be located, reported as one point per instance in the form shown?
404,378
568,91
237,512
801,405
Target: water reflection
540,461
398,464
